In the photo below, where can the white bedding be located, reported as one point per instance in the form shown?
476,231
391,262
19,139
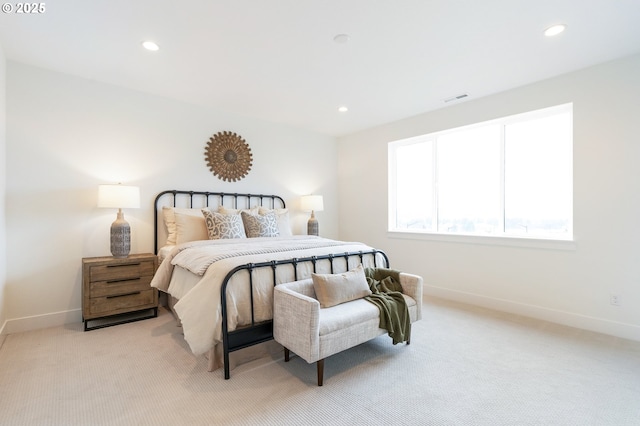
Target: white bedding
193,273
164,252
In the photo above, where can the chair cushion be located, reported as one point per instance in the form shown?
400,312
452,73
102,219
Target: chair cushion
345,315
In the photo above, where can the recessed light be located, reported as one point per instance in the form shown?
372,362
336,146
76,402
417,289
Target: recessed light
555,30
343,108
341,38
150,45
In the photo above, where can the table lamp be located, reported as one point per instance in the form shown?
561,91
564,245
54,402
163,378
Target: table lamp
119,197
315,204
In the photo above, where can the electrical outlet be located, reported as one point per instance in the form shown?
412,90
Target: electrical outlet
614,299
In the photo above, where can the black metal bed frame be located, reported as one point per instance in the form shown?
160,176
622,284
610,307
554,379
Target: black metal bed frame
256,332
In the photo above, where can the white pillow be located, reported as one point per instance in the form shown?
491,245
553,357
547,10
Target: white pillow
260,225
190,227
170,224
334,289
186,232
282,215
223,225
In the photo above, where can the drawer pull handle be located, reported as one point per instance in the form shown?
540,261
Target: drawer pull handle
119,266
122,281
123,295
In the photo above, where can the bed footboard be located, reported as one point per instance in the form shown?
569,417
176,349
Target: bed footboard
258,332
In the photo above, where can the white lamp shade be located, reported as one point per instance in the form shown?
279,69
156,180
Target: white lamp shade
312,203
119,196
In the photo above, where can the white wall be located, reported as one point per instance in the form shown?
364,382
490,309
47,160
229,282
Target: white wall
66,135
3,229
571,287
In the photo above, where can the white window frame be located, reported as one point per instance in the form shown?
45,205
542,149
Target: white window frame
567,243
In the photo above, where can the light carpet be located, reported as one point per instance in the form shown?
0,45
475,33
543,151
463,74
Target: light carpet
465,366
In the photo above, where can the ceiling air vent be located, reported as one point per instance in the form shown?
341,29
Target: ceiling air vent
456,98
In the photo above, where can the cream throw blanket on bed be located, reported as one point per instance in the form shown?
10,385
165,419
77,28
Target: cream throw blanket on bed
198,259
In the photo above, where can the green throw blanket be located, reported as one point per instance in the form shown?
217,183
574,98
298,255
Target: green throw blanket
387,296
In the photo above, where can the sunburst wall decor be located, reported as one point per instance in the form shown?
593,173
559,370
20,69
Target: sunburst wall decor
228,156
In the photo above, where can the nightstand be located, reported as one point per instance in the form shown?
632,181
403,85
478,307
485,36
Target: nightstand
113,288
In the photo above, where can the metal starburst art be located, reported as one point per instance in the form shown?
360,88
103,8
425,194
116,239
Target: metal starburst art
228,156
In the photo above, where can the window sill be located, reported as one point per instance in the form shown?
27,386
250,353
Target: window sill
537,243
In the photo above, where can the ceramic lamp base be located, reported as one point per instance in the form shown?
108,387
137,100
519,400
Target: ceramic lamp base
120,237
312,225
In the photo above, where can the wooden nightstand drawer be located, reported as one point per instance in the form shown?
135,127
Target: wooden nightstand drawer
114,286
122,272
117,287
126,302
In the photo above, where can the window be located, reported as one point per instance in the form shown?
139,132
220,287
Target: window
510,177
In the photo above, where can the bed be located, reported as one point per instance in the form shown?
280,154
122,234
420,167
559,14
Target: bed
220,256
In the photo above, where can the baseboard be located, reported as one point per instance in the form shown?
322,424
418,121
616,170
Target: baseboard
37,322
599,325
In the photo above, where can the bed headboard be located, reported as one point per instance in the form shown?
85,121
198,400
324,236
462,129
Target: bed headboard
201,199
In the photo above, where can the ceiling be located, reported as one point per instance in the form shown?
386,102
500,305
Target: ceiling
276,60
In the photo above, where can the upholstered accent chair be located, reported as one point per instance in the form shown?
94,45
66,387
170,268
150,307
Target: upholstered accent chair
312,332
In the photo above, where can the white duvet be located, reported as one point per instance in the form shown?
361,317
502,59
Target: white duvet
206,263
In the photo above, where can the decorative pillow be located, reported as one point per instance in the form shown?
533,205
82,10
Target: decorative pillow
223,225
284,227
190,227
334,289
260,225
